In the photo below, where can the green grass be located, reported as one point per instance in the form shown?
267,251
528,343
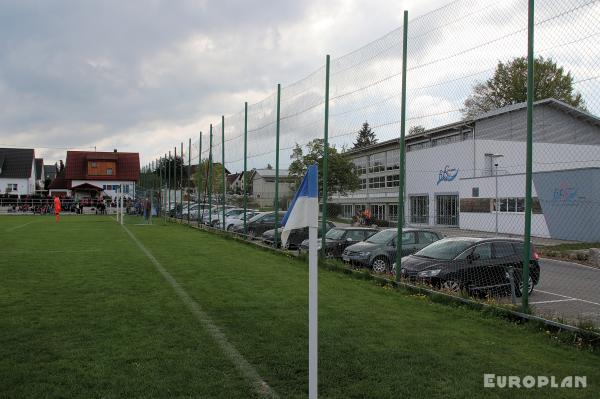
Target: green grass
83,313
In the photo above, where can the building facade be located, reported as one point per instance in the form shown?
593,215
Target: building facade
17,171
471,174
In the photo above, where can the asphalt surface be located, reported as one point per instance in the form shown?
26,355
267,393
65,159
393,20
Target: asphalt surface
567,290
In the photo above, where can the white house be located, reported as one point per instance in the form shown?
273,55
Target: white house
263,186
17,171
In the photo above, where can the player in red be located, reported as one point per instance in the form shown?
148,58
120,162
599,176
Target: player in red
56,209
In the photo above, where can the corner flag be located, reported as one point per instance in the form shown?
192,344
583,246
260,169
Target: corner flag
304,212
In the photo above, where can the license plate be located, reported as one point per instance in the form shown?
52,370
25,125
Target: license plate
345,258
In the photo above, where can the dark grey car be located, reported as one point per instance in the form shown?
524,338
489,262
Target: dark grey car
378,252
338,238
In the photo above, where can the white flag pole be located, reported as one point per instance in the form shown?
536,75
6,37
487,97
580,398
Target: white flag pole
313,356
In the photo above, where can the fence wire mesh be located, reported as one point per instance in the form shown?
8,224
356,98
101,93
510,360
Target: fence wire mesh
466,134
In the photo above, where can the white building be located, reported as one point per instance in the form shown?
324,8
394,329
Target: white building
455,173
17,171
263,187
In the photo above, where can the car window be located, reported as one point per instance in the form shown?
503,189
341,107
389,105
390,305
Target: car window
356,235
426,237
368,233
383,237
484,251
408,238
268,219
503,249
335,234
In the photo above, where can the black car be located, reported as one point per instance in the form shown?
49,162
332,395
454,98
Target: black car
379,250
261,223
472,265
297,236
338,238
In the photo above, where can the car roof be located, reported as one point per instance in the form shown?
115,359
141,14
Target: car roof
483,239
355,228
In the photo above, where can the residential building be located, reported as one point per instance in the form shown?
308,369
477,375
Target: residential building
17,171
263,187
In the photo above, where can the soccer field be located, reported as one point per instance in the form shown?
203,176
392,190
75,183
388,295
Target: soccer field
92,309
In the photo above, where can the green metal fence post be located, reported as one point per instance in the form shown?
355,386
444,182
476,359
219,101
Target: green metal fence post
210,172
175,182
325,161
529,162
181,182
189,174
223,160
245,166
168,185
276,237
402,172
199,171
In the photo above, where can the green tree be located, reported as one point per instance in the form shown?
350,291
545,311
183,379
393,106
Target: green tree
365,137
201,178
341,177
167,165
508,86
416,129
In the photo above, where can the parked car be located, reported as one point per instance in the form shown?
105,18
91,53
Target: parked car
297,236
218,217
472,264
379,251
259,224
338,238
232,222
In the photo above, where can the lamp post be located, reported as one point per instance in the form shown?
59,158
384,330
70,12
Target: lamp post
495,171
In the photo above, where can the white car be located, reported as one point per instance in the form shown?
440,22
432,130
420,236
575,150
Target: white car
232,222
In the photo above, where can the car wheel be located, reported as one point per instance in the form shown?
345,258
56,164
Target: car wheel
452,286
380,265
519,287
230,227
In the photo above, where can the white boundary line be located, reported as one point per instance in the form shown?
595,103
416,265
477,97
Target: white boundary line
21,225
554,301
248,371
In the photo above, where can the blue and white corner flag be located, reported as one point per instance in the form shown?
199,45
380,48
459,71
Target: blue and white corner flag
304,209
304,212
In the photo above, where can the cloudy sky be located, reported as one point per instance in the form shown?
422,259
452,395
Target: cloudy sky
142,75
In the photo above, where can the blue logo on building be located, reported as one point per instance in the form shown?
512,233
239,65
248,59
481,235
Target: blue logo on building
565,194
447,174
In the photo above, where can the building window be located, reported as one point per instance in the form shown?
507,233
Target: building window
11,187
419,209
377,182
393,160
347,211
511,205
115,187
377,162
361,165
393,180
475,192
94,164
363,184
109,171
393,212
378,211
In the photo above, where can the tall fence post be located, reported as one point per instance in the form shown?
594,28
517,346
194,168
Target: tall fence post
402,172
189,174
199,171
168,186
224,173
210,172
175,182
529,161
160,182
181,182
276,237
245,166
325,161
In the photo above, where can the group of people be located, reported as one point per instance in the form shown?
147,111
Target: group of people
363,217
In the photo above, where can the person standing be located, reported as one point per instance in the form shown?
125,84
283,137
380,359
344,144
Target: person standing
56,209
148,210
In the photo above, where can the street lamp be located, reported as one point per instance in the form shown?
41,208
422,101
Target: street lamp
494,157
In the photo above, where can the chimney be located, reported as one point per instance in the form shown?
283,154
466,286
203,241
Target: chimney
115,150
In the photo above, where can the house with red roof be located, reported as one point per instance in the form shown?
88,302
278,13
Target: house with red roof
90,174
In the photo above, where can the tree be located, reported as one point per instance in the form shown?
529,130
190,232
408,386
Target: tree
341,177
171,168
201,178
416,129
61,166
508,86
365,136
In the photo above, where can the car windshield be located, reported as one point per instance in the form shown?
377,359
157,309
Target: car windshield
233,212
335,234
383,237
256,217
444,249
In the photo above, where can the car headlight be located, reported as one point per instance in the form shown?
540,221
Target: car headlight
429,273
364,253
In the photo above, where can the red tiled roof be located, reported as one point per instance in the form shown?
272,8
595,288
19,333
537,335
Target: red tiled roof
128,165
59,183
